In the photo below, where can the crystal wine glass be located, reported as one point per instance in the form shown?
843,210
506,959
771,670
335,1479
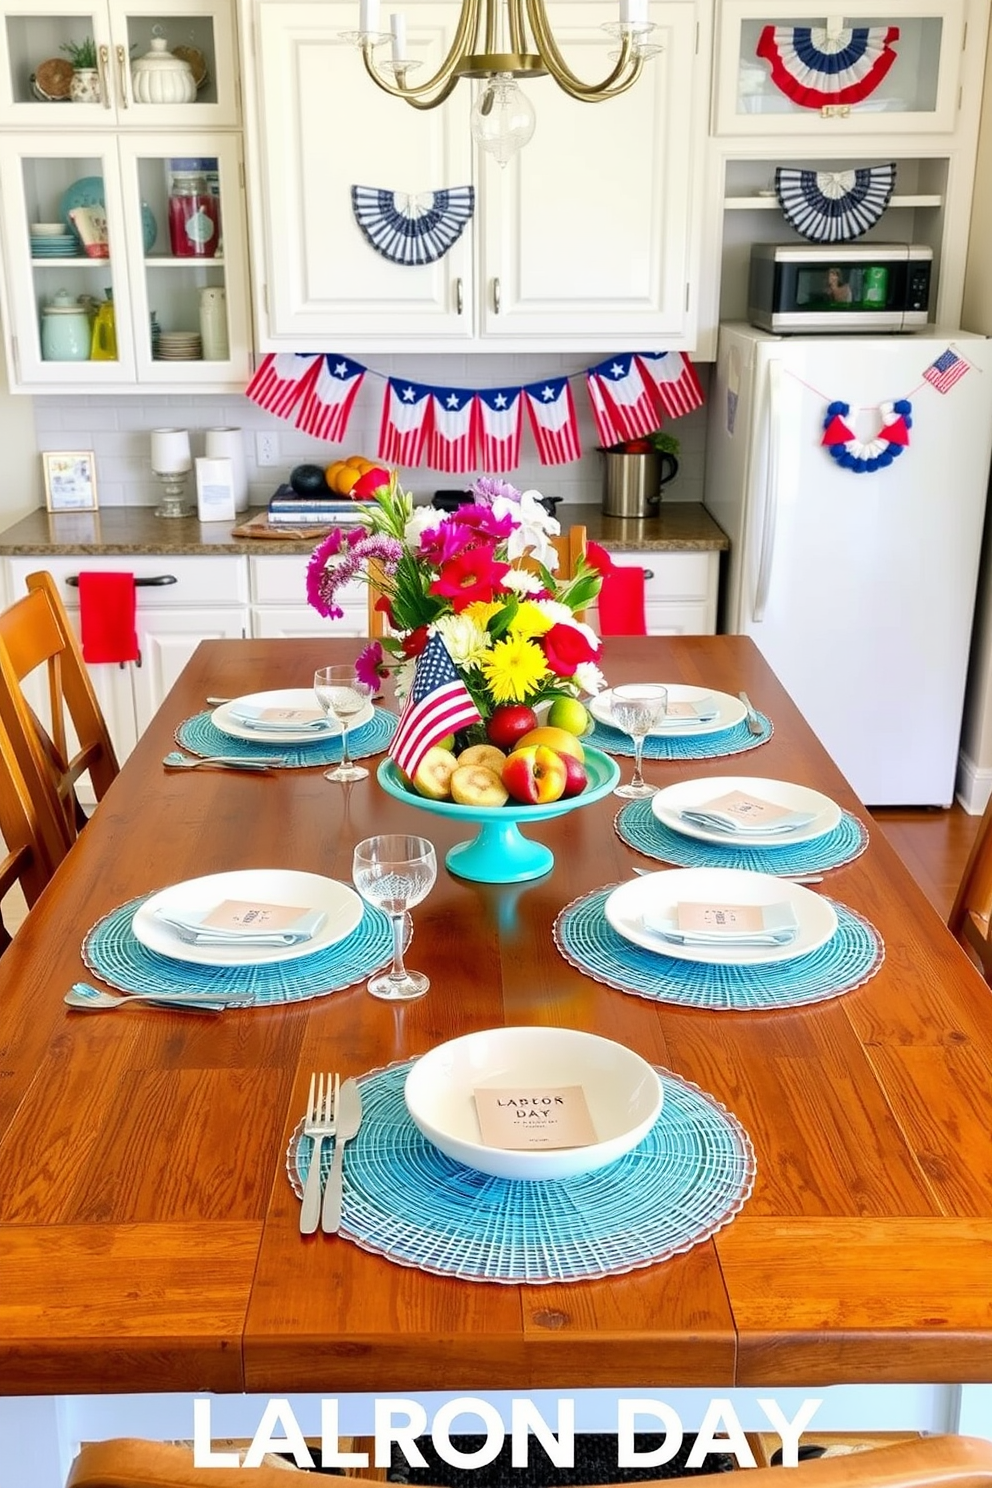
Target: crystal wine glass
342,694
636,709
394,872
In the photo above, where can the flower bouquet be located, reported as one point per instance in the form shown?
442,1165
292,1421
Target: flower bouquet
481,633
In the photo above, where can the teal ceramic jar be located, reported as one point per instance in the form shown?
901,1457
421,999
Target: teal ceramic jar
65,330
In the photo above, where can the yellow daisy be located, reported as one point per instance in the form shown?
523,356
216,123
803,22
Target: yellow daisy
482,611
512,669
530,620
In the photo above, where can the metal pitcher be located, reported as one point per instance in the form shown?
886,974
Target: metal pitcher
632,482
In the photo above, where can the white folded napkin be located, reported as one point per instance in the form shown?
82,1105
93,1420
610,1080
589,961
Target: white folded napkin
251,718
702,710
777,926
188,925
723,821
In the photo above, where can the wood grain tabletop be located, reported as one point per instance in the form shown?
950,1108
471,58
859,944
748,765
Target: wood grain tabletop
148,1234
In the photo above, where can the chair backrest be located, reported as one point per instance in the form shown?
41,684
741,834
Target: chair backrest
24,807
929,1462
37,636
969,919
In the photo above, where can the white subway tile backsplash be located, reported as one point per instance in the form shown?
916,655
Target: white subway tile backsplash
117,430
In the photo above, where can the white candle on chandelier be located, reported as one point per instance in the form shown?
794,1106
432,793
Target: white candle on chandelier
369,17
397,26
633,12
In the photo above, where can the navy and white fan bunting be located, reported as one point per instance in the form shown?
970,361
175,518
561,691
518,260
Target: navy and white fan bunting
817,68
412,229
834,206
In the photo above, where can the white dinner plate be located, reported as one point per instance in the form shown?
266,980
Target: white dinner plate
667,804
730,710
294,697
655,892
340,903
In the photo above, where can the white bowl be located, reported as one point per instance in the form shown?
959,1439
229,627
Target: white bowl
623,1094
47,229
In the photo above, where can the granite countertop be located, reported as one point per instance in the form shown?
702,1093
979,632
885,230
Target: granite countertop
679,527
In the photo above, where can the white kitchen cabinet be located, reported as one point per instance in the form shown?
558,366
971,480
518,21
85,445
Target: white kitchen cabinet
588,236
150,286
279,605
180,602
680,591
122,32
917,93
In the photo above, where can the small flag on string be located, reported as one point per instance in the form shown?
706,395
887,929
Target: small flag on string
282,380
673,380
403,427
451,430
327,403
551,409
501,420
625,396
946,371
602,415
439,704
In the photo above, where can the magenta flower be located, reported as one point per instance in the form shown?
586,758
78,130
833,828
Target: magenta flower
369,666
326,578
438,544
481,519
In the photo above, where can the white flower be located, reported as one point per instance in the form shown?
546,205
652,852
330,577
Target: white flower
589,678
424,518
465,641
534,527
522,582
403,677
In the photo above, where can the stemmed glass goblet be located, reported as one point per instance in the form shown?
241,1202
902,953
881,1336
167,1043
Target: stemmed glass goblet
635,709
342,694
394,872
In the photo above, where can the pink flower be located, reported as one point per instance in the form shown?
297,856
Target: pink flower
369,666
469,576
497,529
440,543
325,578
566,648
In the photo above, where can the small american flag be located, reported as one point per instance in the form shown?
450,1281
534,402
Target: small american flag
946,371
439,704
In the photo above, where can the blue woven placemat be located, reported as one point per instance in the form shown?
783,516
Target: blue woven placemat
405,1200
588,941
112,950
201,736
637,825
734,740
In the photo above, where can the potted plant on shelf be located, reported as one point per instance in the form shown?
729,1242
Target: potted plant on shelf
85,85
635,472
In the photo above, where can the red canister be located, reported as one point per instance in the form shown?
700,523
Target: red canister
193,224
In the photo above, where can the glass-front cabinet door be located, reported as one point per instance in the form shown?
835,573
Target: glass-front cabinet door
146,65
116,264
802,70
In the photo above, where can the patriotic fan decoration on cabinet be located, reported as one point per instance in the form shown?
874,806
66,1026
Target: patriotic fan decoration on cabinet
412,229
834,206
463,429
825,67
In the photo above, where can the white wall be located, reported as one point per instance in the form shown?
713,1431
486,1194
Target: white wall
21,489
116,429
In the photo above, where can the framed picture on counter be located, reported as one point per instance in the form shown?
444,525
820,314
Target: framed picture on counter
70,480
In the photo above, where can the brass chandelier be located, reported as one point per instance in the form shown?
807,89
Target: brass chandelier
499,41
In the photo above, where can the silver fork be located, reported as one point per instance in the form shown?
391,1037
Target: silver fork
174,760
754,725
320,1122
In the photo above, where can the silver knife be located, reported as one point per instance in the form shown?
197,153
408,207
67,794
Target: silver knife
754,725
349,1119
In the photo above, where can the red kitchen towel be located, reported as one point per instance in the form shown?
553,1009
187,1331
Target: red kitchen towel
106,615
621,602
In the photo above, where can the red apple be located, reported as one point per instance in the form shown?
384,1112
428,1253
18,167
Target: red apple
508,724
535,775
576,778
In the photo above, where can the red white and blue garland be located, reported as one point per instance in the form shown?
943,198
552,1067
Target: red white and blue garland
860,456
462,429
817,68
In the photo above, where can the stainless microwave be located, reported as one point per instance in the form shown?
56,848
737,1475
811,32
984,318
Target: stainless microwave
804,288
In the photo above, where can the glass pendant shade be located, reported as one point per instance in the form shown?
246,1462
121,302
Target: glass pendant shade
503,118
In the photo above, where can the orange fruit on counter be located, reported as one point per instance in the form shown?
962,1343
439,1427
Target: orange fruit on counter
345,479
332,472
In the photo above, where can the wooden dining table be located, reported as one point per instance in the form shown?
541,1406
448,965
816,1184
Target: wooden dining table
149,1236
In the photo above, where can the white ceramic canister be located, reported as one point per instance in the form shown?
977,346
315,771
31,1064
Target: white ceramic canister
213,324
159,77
229,444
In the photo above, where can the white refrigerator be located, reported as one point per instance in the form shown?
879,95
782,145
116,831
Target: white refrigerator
857,584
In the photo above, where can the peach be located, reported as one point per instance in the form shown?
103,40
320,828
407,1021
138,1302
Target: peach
535,775
554,738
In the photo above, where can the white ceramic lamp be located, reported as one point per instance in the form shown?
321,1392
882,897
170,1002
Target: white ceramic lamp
172,461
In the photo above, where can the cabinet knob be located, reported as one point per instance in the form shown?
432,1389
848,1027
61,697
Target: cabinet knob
459,296
103,59
122,75
497,295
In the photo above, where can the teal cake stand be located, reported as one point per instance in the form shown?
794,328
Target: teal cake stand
500,853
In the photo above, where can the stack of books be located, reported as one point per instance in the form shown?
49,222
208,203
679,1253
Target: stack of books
286,509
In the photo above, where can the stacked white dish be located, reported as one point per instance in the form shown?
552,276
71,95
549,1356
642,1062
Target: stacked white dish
797,814
691,711
255,717
179,346
51,240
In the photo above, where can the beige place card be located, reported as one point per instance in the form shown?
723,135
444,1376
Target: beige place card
535,1120
719,919
682,710
743,807
247,914
290,715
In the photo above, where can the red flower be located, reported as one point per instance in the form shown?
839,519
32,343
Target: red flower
366,485
566,648
414,642
470,576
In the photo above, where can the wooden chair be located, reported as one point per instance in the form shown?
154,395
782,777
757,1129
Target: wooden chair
969,920
35,634
929,1462
28,861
